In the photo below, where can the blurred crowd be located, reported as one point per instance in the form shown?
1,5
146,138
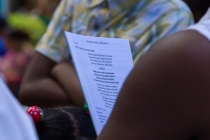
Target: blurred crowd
22,23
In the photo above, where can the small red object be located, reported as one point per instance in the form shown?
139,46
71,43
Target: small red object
36,113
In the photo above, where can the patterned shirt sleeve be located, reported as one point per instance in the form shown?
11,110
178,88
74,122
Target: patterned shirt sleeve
170,23
53,44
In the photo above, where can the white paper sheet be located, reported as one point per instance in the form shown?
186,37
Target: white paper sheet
102,65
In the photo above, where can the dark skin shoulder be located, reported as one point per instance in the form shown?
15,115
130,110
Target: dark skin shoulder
167,95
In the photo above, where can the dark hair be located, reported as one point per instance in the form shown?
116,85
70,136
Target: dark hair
18,35
65,123
198,5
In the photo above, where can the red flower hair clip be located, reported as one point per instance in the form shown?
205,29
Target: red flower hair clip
36,113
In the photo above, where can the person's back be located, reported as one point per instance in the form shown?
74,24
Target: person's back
171,98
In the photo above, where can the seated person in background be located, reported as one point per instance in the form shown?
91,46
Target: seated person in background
13,64
171,98
143,22
63,123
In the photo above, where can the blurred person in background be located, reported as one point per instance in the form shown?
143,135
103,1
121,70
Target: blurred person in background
13,64
51,77
3,29
31,16
28,23
46,8
42,8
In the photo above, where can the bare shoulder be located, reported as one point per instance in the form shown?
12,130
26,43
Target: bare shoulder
167,94
184,55
184,47
180,61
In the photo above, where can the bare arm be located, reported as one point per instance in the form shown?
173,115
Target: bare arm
166,97
66,74
38,88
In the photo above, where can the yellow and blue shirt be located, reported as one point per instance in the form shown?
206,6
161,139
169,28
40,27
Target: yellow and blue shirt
143,22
